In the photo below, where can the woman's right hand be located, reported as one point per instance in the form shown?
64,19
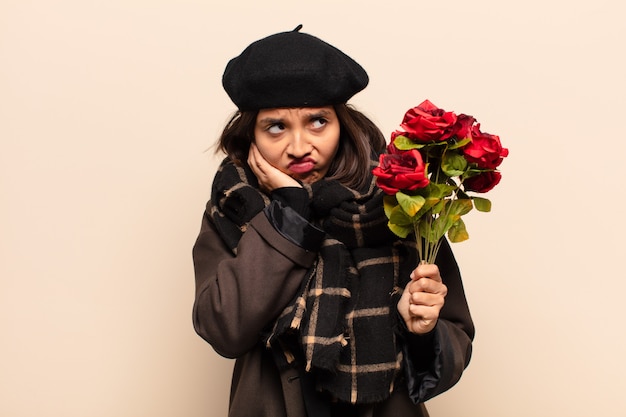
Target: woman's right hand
269,177
422,299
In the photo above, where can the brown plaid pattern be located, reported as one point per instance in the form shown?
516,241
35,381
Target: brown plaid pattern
342,323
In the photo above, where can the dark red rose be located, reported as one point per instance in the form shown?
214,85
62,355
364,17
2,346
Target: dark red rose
482,182
463,126
391,148
401,171
485,149
427,123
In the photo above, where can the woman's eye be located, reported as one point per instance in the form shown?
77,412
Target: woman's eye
318,123
275,129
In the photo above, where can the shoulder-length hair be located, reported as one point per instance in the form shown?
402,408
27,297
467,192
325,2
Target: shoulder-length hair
360,140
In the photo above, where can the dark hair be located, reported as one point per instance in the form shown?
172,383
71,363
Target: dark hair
237,136
360,140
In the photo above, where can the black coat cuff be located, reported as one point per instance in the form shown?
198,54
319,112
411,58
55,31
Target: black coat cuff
294,227
295,197
419,347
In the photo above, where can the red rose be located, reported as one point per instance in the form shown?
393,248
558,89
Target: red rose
391,148
401,171
485,150
463,126
482,182
427,123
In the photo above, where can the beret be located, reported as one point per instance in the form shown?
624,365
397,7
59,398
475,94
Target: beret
292,69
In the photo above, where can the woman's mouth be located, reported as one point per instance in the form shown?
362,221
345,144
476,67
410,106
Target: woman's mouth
302,166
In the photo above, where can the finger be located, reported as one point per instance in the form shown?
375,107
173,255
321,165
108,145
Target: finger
255,160
252,157
258,165
403,304
428,285
428,314
423,321
419,326
426,271
426,300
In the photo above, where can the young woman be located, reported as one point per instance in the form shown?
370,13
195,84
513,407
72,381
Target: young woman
297,274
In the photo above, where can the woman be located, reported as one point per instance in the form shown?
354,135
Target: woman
297,274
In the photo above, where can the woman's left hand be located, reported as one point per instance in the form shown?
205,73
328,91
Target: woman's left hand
269,177
422,299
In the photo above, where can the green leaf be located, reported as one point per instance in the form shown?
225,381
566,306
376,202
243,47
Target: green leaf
399,217
426,208
404,144
461,206
460,143
458,232
425,230
482,204
472,171
389,203
432,145
401,231
437,208
411,204
453,164
439,190
444,223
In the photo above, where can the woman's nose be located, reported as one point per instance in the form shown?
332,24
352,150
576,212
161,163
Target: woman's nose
299,146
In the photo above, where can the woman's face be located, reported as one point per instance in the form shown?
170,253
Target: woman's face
301,142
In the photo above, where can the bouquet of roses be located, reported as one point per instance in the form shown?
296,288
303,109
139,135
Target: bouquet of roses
432,169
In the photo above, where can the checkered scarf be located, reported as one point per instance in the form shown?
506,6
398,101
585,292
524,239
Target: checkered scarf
341,323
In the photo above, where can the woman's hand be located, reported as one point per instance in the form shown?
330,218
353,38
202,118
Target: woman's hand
422,299
268,176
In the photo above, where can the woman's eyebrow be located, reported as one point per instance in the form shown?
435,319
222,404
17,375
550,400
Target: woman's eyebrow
319,113
270,120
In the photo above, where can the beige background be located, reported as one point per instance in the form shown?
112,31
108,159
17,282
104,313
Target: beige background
107,108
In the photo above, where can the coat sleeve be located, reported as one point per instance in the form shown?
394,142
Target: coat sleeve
435,362
238,296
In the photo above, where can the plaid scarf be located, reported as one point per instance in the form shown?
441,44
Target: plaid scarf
341,323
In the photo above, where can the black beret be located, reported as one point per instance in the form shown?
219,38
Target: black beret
292,69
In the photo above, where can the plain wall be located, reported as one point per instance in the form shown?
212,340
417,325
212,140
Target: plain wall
107,109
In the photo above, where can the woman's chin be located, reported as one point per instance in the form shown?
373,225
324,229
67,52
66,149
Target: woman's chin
307,178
